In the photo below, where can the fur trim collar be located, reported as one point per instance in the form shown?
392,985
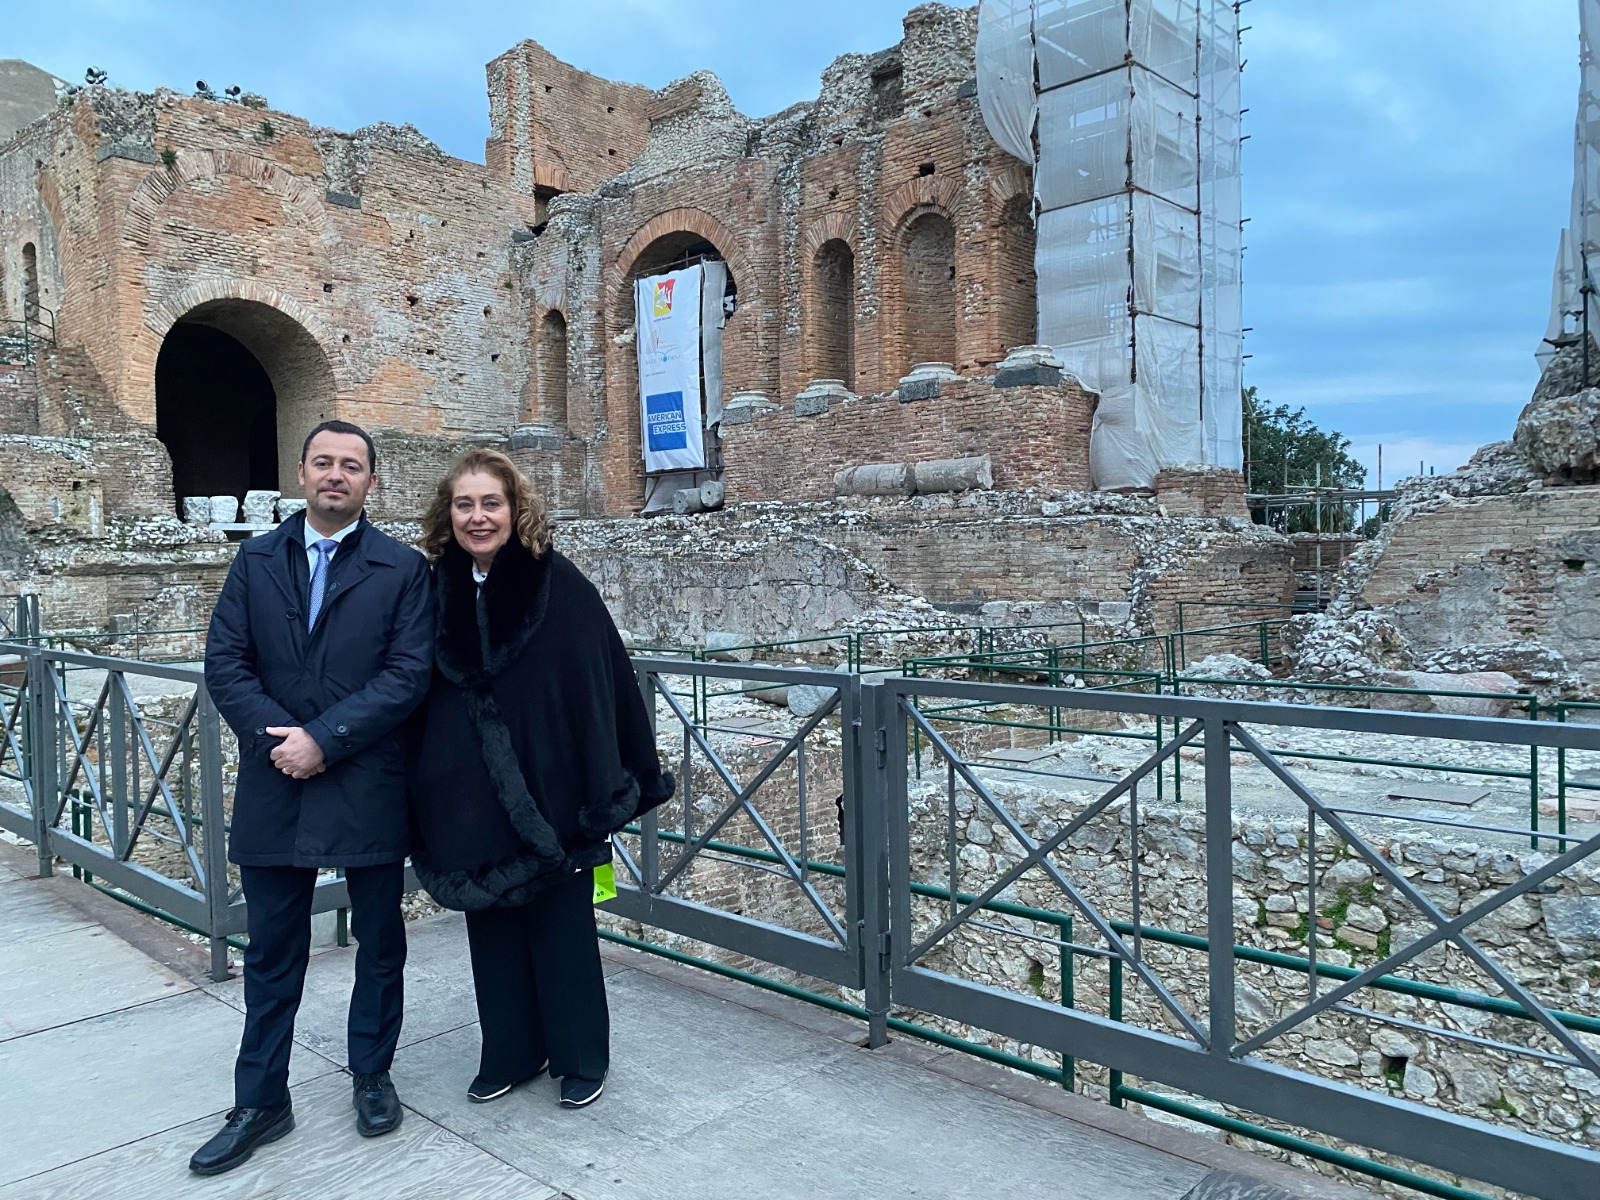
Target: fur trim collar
515,595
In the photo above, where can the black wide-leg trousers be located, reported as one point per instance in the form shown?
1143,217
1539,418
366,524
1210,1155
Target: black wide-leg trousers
278,916
540,988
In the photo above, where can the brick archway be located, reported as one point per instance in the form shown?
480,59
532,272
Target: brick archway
290,343
676,220
193,166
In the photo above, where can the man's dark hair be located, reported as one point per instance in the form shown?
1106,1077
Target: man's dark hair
343,427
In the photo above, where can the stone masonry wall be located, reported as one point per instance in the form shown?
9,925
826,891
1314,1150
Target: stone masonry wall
1035,437
1507,568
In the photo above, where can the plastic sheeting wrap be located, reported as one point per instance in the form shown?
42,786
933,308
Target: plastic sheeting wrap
1578,252
1133,106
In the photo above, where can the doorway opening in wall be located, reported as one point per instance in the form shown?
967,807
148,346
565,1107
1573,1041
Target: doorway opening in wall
238,386
675,252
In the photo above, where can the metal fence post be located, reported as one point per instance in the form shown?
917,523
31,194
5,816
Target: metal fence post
216,843
1219,882
868,859
42,769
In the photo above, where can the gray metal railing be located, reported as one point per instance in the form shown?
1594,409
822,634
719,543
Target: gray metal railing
806,844
136,799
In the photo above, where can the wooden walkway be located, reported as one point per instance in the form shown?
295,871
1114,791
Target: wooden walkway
117,1058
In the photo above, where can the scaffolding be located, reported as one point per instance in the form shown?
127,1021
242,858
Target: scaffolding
1128,113
1574,317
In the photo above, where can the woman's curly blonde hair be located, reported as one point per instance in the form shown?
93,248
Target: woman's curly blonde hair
528,517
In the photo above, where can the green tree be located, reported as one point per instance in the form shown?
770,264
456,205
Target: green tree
1283,451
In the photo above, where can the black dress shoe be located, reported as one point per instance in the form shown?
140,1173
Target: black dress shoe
482,1089
575,1092
377,1104
245,1129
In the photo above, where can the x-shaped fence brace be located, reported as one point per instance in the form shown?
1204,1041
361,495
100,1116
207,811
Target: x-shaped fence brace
1445,929
11,748
1037,854
144,747
743,802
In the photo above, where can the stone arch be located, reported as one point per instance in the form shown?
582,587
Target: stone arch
288,341
193,166
672,222
830,324
658,242
936,191
836,226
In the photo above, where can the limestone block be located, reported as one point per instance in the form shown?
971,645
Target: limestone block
259,507
1334,1054
1574,924
1391,1043
1418,1082
1487,682
953,474
720,646
875,479
1029,366
287,507
197,509
777,696
1560,436
744,407
924,380
804,698
224,509
1368,917
819,394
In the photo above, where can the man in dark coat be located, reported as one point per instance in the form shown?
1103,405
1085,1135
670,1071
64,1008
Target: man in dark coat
319,648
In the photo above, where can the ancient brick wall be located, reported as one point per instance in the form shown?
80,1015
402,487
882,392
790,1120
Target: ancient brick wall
1506,568
558,129
1036,437
1201,492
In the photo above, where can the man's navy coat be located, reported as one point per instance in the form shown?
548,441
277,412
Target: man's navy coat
350,682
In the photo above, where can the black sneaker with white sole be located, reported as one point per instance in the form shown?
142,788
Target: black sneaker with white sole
575,1092
481,1090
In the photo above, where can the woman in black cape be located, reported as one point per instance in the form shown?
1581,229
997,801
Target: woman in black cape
533,747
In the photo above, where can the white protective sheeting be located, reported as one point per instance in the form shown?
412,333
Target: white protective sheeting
1136,182
667,311
1005,83
1578,254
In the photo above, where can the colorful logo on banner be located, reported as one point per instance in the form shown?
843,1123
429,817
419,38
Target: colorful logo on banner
667,429
663,299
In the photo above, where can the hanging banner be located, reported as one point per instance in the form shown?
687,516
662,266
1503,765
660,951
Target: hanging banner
668,325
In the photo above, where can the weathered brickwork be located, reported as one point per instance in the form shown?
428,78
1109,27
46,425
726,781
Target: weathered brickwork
1035,437
1511,568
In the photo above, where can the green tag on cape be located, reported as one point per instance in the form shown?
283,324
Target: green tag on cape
605,883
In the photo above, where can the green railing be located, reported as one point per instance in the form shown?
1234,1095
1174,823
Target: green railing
1065,1073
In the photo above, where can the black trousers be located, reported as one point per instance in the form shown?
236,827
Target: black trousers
541,992
278,913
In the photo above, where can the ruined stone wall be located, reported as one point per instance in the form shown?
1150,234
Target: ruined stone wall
558,129
369,273
1035,437
1501,568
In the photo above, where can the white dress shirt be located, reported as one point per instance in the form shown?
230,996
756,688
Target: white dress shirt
313,537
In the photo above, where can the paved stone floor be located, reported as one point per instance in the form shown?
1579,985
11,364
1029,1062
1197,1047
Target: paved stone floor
116,1056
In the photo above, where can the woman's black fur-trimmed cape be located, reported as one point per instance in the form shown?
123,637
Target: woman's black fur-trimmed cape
534,744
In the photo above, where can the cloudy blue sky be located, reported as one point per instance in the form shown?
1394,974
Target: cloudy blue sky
1408,167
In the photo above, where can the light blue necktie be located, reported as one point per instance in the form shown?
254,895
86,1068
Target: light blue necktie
319,577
